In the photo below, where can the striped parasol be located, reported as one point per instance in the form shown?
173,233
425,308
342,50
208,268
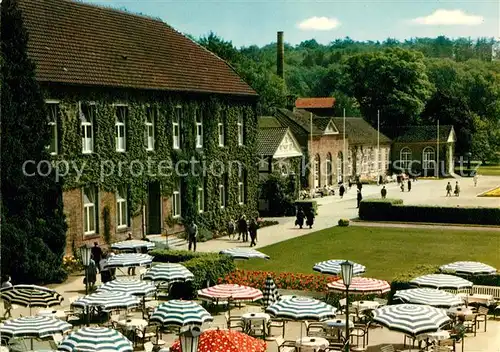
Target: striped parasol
469,268
96,340
132,287
168,272
230,291
107,300
225,341
180,313
33,327
128,260
429,296
270,292
441,281
332,267
31,296
301,308
411,319
364,285
132,245
244,253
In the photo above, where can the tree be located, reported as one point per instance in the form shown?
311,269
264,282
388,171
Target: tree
33,222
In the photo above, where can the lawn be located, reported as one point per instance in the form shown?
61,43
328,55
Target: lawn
384,251
491,170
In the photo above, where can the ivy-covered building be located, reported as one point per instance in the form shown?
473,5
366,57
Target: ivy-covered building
150,128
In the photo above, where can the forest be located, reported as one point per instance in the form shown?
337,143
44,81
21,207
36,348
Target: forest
412,82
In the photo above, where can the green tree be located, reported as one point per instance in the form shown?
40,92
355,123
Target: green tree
33,223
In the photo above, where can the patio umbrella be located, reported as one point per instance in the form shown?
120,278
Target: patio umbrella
411,319
31,296
429,296
301,308
132,245
362,285
230,291
270,293
107,300
225,341
168,272
441,281
469,268
132,287
244,253
33,327
128,260
180,313
332,267
96,340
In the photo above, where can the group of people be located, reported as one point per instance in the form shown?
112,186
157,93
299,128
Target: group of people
449,188
308,215
402,185
244,228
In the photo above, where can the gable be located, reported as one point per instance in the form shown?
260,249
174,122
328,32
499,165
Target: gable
288,147
452,137
331,128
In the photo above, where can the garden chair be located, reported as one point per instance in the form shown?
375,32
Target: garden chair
449,345
234,322
285,345
56,340
276,323
359,332
481,317
496,310
470,323
257,328
145,335
148,347
315,329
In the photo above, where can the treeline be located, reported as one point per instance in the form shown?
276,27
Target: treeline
417,81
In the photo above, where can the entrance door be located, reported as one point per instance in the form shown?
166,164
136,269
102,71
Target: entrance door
154,208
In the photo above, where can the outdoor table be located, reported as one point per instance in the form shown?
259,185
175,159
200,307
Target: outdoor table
248,318
59,314
132,324
337,323
363,305
460,311
307,343
477,298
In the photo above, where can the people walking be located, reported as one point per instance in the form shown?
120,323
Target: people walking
252,229
243,229
383,192
300,217
91,273
359,197
310,217
475,180
341,191
97,253
192,236
448,189
457,189
231,230
6,304
105,272
409,185
402,186
131,269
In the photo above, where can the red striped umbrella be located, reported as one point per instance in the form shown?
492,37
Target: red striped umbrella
361,285
225,341
229,291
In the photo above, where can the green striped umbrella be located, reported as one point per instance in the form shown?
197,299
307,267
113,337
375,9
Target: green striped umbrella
96,340
107,300
168,272
180,313
31,296
132,287
33,327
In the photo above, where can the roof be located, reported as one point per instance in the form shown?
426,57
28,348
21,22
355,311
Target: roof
299,121
269,121
416,134
269,139
315,103
75,43
358,130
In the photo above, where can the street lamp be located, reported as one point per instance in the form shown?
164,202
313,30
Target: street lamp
189,339
85,253
347,270
469,155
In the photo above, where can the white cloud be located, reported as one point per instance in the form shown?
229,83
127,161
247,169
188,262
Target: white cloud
449,18
319,24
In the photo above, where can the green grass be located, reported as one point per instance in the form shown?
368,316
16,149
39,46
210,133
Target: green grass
491,170
385,252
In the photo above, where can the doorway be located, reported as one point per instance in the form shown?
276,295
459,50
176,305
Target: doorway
154,208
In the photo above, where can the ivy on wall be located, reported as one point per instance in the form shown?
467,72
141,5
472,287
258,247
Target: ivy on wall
108,169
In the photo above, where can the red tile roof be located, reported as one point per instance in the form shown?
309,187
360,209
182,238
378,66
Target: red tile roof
314,103
76,43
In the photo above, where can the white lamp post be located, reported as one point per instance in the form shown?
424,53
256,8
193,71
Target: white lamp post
189,339
85,253
347,270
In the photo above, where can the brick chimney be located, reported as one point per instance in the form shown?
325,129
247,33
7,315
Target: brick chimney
280,56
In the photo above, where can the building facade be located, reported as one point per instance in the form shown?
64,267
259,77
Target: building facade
148,128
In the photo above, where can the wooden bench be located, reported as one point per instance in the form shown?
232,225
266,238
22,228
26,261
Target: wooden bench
487,290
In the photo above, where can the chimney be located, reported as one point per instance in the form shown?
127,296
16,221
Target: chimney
280,56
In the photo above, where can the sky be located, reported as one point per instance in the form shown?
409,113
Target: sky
256,22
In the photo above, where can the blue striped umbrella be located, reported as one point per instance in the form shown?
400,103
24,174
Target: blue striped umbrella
469,268
168,272
95,340
107,300
132,245
332,267
180,313
244,253
34,327
31,296
131,287
301,308
429,296
128,260
441,281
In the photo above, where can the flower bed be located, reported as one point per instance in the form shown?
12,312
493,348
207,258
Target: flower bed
71,264
287,281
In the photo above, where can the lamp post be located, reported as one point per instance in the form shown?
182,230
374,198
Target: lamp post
469,155
189,339
85,253
347,270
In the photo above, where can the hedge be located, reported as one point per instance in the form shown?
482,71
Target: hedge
173,256
307,204
389,210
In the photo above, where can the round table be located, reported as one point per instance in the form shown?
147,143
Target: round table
308,343
477,298
337,323
132,324
434,336
362,305
59,314
248,317
460,311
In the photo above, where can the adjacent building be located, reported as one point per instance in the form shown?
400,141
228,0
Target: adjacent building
153,122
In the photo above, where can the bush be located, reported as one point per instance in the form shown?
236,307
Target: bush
344,222
173,256
377,209
307,204
204,235
266,223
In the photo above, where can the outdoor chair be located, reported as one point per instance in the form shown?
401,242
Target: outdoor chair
315,329
146,334
257,328
359,332
439,349
56,340
336,346
496,310
482,317
234,322
449,345
276,323
470,323
148,347
285,345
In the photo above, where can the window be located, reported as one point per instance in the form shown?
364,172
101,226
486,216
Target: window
371,155
53,113
317,166
176,201
199,128
87,118
340,167
149,128
241,186
329,169
89,210
201,198
220,129
405,158
222,192
240,130
121,207
428,158
176,131
121,119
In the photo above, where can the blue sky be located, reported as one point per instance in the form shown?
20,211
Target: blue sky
256,22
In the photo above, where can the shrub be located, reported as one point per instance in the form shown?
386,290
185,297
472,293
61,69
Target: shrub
71,264
204,235
344,222
265,223
173,256
377,209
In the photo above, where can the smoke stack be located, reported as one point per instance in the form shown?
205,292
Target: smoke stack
280,57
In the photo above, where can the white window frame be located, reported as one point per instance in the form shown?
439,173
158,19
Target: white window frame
407,153
241,188
121,208
53,125
149,125
176,201
89,210
428,163
200,198
198,118
120,127
220,132
222,196
241,130
176,140
87,142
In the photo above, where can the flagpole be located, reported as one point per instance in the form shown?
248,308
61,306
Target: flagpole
378,145
311,153
437,153
344,157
